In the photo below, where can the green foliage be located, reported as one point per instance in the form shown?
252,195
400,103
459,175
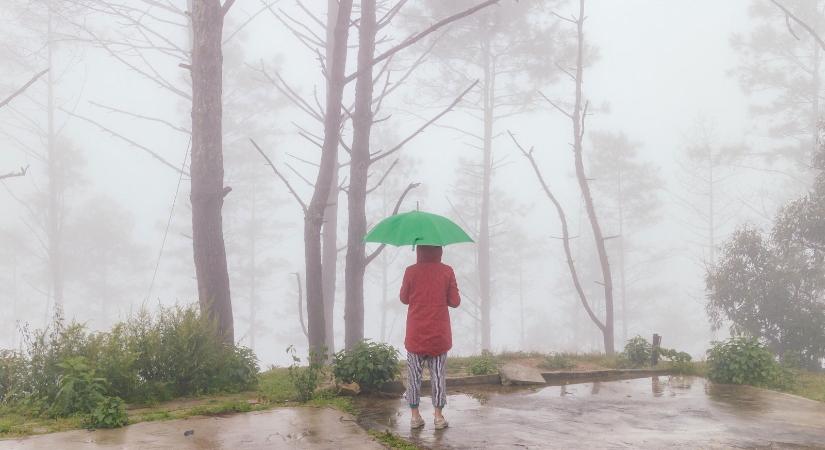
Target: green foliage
637,352
772,285
79,390
304,379
108,413
742,360
557,361
482,365
680,361
146,358
12,376
368,363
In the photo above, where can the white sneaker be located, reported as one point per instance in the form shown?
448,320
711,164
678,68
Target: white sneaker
416,422
441,423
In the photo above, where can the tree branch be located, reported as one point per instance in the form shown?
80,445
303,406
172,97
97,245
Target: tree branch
22,88
127,140
226,6
395,210
420,129
301,304
279,175
421,35
804,25
384,177
565,231
20,173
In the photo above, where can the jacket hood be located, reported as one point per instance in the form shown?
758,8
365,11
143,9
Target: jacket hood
429,253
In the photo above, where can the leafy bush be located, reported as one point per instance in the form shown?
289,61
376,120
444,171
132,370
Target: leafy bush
482,365
79,391
369,364
304,379
108,413
146,358
680,361
557,361
12,376
742,360
637,352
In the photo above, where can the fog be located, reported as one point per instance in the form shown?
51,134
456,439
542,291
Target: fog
676,92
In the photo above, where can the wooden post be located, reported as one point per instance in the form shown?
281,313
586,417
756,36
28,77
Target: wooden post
654,354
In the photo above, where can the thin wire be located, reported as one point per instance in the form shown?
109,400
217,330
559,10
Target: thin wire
169,222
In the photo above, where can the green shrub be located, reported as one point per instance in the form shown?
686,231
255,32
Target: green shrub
304,379
368,363
176,352
742,360
482,365
637,352
108,413
557,361
680,361
13,376
79,390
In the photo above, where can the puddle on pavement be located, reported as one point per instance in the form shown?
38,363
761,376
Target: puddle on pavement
651,412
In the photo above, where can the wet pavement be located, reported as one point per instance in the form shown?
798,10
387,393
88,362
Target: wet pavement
304,428
655,412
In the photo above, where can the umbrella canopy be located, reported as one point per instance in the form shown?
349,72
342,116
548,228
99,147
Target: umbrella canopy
417,228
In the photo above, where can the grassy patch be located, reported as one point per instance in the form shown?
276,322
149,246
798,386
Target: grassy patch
392,441
274,389
805,384
15,423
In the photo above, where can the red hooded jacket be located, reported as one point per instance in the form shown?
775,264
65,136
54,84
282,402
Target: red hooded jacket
429,287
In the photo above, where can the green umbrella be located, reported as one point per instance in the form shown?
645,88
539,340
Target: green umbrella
417,228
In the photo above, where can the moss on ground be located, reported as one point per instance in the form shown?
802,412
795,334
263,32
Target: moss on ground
392,441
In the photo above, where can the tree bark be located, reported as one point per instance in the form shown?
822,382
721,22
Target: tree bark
54,215
483,247
579,111
314,219
359,170
207,173
330,229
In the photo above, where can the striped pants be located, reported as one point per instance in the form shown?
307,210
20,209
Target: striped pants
438,378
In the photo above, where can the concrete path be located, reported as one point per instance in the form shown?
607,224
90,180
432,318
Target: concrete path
303,428
655,412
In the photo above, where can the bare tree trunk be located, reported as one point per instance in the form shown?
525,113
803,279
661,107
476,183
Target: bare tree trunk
385,298
816,82
314,219
483,247
54,216
330,229
208,191
622,257
711,207
359,169
579,111
253,268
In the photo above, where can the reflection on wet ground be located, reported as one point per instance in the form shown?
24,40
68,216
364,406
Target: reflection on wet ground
655,412
305,428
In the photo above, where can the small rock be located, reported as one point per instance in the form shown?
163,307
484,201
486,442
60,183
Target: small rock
189,432
517,374
349,389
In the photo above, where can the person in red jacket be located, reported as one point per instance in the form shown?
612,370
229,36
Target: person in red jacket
429,288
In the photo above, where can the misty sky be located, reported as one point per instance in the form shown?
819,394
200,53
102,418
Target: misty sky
662,65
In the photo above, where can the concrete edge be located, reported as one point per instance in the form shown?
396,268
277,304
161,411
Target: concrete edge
561,376
397,387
